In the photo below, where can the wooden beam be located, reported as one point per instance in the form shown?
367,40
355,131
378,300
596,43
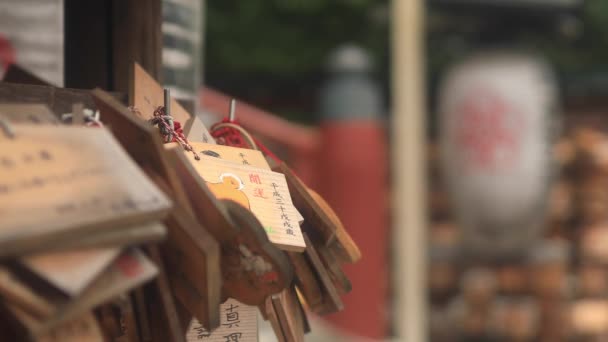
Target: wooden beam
59,100
409,165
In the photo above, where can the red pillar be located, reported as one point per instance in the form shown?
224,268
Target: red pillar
353,167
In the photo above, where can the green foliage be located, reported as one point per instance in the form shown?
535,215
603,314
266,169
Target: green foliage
272,52
286,38
581,51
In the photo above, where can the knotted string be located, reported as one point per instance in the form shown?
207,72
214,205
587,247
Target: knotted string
165,124
231,133
170,129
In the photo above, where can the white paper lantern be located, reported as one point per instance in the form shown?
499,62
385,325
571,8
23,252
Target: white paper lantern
497,124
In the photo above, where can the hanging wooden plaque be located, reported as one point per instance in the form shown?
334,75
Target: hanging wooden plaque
70,175
28,113
253,268
320,221
238,323
243,240
146,95
131,235
290,317
71,271
263,192
192,254
130,270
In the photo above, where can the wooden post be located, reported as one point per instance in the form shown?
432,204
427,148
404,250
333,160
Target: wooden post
105,37
409,178
137,37
87,35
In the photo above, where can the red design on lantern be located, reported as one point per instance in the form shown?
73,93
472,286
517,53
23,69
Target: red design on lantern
489,131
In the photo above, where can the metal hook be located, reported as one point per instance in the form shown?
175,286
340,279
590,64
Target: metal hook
6,127
232,115
167,100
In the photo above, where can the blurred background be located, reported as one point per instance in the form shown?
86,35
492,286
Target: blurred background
538,276
463,143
